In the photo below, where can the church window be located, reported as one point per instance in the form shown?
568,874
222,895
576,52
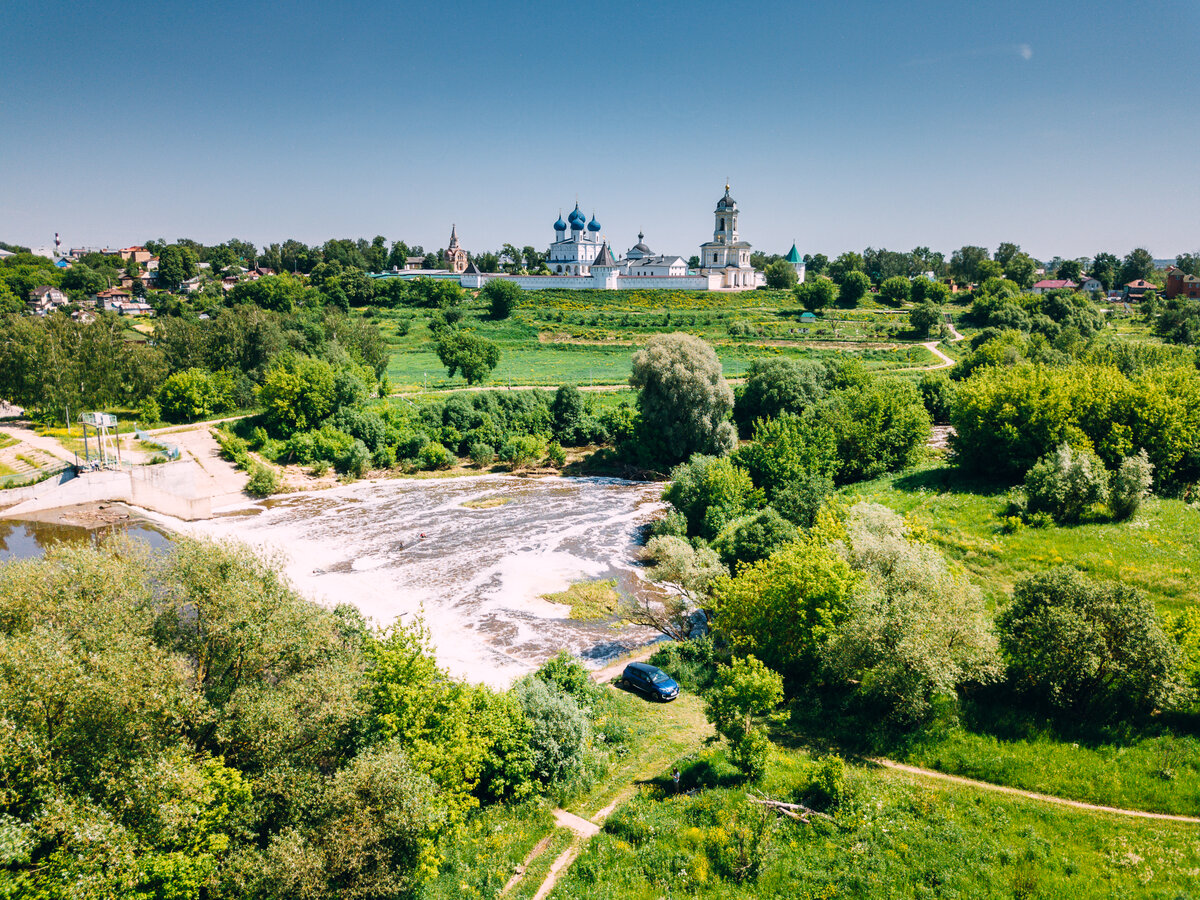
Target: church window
722,227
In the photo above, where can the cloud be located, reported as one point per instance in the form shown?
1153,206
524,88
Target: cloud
1025,51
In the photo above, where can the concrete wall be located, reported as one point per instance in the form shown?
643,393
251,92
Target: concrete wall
170,488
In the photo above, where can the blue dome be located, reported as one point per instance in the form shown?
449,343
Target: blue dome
577,216
593,225
560,225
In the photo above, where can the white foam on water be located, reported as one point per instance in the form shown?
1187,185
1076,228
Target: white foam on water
399,549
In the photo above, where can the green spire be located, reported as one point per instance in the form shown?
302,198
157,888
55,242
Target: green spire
793,257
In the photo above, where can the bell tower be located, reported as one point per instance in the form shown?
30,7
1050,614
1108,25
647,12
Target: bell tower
725,220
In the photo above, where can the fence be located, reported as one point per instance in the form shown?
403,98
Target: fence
26,479
169,450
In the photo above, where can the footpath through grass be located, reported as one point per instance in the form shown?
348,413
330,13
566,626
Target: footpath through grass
890,836
1154,766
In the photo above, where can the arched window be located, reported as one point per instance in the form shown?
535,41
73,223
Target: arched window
722,225
558,269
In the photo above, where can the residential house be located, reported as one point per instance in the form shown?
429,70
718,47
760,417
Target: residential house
1055,284
83,315
1091,286
262,271
191,285
139,255
110,298
45,299
414,262
1135,290
1180,282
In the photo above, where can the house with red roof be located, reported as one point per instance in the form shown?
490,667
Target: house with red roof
1136,290
1180,283
1055,284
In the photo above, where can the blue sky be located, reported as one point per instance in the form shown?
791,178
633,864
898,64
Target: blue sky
1067,127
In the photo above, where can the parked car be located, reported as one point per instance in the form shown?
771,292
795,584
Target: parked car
651,681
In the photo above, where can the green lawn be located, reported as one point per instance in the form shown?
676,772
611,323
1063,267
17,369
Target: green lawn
588,337
891,836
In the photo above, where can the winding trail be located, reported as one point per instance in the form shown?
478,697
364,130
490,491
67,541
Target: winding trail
1031,795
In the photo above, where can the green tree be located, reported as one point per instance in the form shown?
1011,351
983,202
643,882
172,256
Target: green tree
688,571
710,492
854,287
915,630
965,262
785,608
926,318
881,426
176,265
1066,484
742,694
193,394
683,399
895,290
815,294
781,276
1088,646
297,394
1021,268
816,263
776,385
845,264
502,297
787,451
466,352
569,414
1068,270
1139,264
1106,269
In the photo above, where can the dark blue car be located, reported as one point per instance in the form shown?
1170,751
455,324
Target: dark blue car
651,681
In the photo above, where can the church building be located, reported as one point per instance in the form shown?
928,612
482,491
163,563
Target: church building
727,254
573,255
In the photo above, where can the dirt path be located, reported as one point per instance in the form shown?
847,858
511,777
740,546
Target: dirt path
1031,795
47,445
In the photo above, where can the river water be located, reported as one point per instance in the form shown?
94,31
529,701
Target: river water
22,539
405,548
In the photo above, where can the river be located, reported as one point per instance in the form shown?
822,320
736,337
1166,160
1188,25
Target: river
403,548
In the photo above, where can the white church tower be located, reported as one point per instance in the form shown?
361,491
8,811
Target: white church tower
727,254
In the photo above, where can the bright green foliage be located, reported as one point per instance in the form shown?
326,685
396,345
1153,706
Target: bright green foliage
298,394
1006,419
786,608
710,492
194,394
787,450
683,399
176,264
1066,484
895,290
937,392
778,385
689,570
467,738
780,275
468,353
282,293
560,733
853,288
926,318
264,481
815,294
1185,630
742,693
915,630
1130,485
753,537
435,456
569,412
502,296
1082,645
523,451
881,426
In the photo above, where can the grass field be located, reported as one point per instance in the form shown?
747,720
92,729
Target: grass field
892,836
1155,766
588,337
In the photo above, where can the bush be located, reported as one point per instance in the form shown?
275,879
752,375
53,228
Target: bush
482,455
1081,645
434,456
502,297
263,481
1130,486
742,693
881,426
523,451
753,537
895,290
925,318
710,492
937,393
560,731
778,385
149,412
1066,484
693,664
555,454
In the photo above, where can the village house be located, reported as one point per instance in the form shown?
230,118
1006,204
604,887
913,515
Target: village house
1179,283
139,255
1055,284
1135,290
45,299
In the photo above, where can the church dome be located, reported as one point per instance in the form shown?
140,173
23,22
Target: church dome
726,202
560,225
593,225
577,218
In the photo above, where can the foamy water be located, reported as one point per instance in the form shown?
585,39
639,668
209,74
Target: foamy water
478,575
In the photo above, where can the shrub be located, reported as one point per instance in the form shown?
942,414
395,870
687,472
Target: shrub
742,693
1066,483
753,537
502,297
925,318
555,454
149,412
263,481
895,290
523,451
1082,645
693,664
937,393
710,492
559,731
434,456
1130,486
481,454
881,426
778,385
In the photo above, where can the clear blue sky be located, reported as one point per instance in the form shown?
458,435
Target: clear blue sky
1065,126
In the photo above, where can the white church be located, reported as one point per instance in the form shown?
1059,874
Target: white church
582,259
